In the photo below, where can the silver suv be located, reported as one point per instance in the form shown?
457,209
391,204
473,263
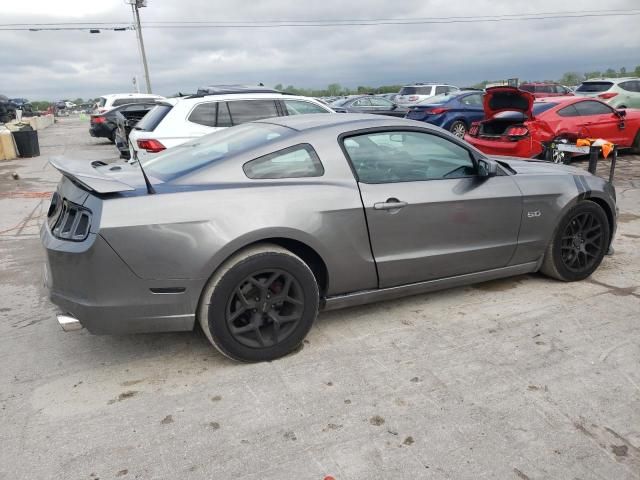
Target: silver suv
418,92
617,92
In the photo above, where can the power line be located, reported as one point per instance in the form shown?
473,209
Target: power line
318,23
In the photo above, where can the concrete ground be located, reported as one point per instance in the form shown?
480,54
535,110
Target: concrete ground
525,378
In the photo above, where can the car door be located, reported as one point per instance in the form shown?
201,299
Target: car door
430,213
601,121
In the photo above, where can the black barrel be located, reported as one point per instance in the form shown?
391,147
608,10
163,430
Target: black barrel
27,142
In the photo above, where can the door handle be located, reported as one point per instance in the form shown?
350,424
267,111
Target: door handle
390,204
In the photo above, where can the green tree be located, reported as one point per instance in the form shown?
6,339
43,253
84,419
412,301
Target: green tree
610,72
623,71
636,72
595,74
334,89
570,78
279,87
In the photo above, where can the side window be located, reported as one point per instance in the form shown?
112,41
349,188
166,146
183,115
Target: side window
299,107
560,89
391,157
362,102
630,85
223,119
380,102
294,162
591,107
424,91
243,111
441,89
474,100
569,111
204,114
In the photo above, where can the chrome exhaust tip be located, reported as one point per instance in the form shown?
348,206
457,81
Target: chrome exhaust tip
68,323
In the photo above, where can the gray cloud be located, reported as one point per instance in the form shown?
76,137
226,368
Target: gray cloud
51,65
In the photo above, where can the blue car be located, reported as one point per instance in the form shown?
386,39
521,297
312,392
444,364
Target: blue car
453,111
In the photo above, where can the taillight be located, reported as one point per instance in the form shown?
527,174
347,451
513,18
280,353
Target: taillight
473,131
67,220
437,111
152,146
413,98
98,119
607,96
516,131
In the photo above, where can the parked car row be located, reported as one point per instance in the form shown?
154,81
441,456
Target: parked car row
142,125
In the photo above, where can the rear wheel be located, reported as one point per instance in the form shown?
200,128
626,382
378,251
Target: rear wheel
458,128
579,244
260,304
635,146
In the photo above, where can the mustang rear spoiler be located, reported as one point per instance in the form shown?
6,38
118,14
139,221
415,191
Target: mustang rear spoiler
86,175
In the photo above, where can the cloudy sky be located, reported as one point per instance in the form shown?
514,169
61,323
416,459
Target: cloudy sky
69,64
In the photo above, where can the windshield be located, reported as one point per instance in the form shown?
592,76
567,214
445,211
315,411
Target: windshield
212,148
594,87
539,107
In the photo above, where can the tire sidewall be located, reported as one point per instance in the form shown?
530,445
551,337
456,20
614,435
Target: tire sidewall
583,207
221,336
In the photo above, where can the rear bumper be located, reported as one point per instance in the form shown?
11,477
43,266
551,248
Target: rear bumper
89,282
521,148
102,130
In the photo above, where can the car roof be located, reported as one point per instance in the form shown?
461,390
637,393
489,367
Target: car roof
237,96
539,83
608,79
124,95
323,120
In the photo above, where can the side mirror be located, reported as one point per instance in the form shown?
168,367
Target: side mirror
487,168
621,112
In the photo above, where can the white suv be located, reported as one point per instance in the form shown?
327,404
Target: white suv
178,120
107,102
418,92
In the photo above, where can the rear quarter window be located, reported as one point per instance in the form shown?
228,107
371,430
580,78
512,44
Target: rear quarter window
294,162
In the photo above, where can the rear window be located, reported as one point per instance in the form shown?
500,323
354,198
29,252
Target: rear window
212,148
594,87
415,91
152,119
528,88
102,102
539,107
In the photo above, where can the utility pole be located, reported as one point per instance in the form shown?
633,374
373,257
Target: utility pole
135,6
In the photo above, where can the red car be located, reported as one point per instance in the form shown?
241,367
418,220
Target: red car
517,126
542,90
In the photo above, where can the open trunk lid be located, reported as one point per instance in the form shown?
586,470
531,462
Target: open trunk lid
507,99
99,177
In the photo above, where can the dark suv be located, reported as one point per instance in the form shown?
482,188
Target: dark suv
7,110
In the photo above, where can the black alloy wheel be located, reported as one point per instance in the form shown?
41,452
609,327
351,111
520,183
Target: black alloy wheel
582,242
265,308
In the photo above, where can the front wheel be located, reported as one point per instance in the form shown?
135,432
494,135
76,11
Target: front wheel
260,304
458,128
579,244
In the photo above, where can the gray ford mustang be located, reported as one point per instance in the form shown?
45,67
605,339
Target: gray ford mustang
252,230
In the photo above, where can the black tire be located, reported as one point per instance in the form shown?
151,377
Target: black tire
579,244
241,332
635,146
458,128
112,137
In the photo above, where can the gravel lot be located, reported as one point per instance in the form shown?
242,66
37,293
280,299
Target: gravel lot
525,378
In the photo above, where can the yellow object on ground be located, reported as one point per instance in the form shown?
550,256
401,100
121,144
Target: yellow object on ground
8,149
